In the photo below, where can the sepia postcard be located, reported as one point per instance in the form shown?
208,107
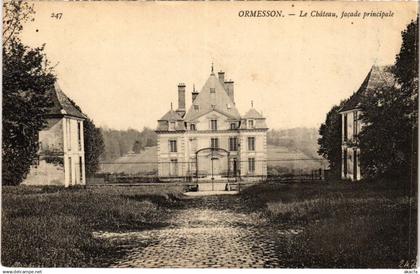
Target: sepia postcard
209,134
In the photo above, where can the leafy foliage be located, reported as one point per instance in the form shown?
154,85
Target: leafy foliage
389,139
27,80
330,140
15,14
406,64
94,146
385,141
407,72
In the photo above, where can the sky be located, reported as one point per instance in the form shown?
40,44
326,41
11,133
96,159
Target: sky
121,62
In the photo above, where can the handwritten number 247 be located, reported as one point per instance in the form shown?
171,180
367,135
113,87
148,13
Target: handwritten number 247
57,15
408,263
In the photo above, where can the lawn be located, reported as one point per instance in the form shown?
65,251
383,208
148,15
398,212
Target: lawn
53,226
345,225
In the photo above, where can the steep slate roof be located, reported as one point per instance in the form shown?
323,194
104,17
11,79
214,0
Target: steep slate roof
259,122
62,105
253,114
219,99
171,115
378,75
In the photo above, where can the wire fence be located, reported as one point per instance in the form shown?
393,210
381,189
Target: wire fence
287,170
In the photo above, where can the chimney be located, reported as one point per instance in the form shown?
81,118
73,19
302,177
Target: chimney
229,90
194,94
181,96
221,77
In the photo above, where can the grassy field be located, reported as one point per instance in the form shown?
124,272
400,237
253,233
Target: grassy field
345,225
282,160
53,226
144,162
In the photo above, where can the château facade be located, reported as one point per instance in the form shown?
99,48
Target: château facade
211,139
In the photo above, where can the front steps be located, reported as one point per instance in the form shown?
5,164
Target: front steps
220,184
217,185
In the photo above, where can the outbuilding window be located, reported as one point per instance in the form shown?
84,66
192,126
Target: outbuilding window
79,134
345,128
68,129
355,118
80,170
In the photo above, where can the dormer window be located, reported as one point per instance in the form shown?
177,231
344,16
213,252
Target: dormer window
196,107
171,125
232,125
213,124
212,90
213,106
192,127
251,123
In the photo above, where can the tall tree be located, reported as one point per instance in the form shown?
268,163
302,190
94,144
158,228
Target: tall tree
386,137
94,146
389,138
27,79
330,139
149,137
137,147
406,67
120,142
406,70
15,14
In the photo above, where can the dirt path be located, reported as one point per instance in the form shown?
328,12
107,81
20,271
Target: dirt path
213,231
